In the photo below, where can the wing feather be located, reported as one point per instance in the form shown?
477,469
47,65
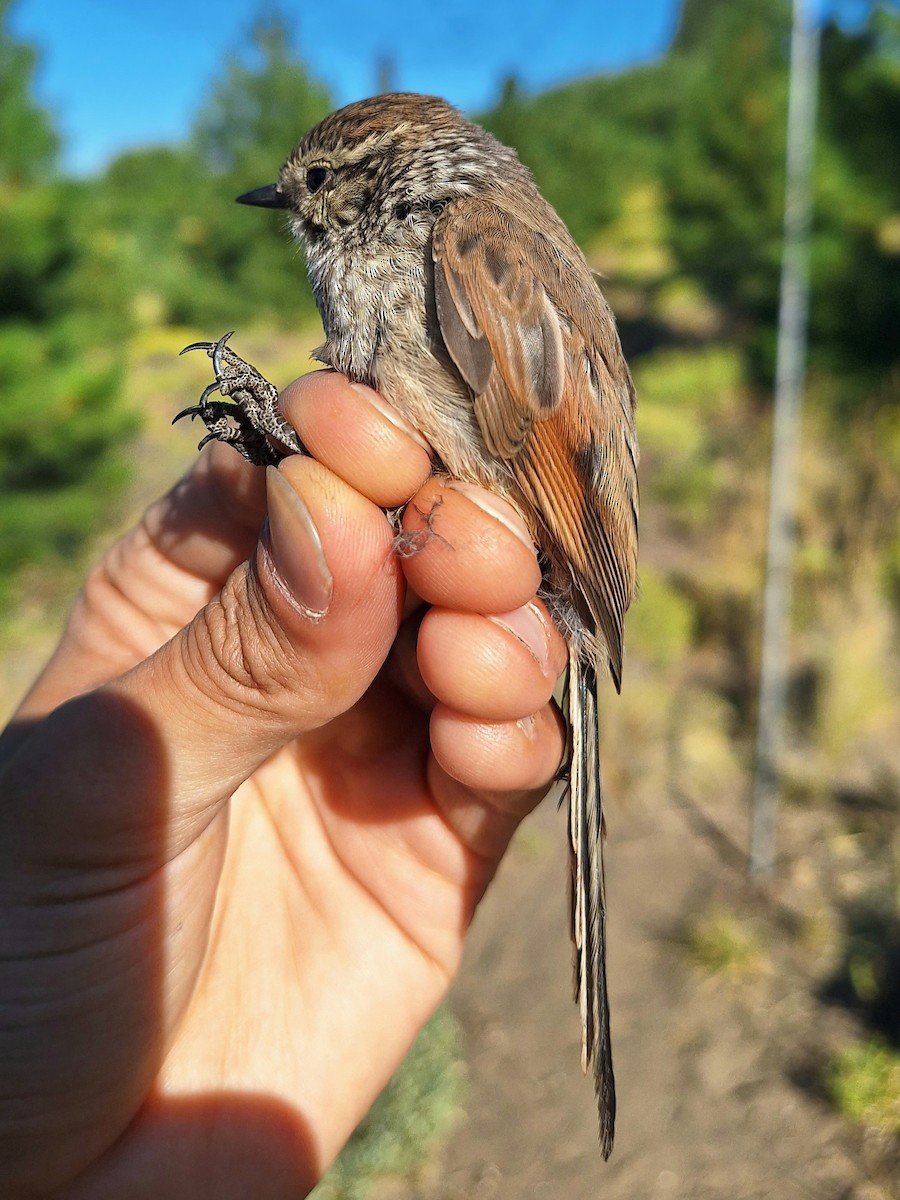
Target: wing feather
532,336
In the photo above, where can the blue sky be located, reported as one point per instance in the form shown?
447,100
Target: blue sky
124,73
121,73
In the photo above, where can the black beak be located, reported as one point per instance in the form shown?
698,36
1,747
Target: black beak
265,197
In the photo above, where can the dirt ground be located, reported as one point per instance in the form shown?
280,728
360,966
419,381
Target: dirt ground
716,1079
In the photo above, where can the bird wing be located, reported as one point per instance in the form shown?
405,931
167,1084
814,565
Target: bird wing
533,338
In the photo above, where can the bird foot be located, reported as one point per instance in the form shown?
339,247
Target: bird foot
248,418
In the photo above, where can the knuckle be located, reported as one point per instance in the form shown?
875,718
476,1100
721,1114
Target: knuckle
247,658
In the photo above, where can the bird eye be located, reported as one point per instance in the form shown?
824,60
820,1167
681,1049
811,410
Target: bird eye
315,177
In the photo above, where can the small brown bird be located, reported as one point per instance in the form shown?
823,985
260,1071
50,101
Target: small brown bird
447,282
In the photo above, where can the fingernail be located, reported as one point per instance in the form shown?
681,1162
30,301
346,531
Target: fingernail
392,414
295,548
494,507
529,626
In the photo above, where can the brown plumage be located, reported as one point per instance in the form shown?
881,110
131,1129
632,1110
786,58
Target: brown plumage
448,283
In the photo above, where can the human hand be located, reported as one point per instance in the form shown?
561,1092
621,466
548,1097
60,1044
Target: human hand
241,841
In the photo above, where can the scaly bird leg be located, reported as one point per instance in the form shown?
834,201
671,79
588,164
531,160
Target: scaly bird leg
251,421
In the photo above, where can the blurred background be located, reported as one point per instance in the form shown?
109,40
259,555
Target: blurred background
757,1026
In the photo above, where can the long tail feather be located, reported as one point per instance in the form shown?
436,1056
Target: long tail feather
588,895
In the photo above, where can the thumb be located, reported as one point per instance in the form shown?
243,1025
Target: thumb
295,637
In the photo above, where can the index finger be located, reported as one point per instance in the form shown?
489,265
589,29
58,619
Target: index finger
358,435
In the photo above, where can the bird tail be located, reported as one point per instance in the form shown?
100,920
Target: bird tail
588,894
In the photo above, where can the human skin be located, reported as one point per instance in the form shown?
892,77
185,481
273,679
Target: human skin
250,807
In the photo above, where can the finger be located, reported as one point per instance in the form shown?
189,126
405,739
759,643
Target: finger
500,756
464,548
358,435
289,642
501,667
486,776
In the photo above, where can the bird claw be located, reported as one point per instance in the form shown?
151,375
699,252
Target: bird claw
197,410
213,349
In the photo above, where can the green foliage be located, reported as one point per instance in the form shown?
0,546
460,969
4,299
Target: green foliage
864,1082
660,623
856,248
681,393
60,434
408,1121
589,142
724,171
34,250
703,382
725,179
633,249
63,428
28,141
155,255
862,114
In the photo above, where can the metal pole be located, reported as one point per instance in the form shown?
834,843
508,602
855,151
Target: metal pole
790,371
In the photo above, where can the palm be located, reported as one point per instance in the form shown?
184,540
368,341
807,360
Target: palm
336,855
